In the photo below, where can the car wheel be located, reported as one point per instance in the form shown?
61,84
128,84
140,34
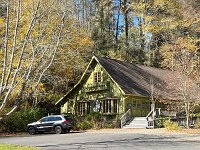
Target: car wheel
68,130
31,130
58,129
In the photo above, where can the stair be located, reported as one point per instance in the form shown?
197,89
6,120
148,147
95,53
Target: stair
137,122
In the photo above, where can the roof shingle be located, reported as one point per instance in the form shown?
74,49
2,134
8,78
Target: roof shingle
138,79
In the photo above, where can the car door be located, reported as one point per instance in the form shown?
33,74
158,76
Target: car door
41,124
49,124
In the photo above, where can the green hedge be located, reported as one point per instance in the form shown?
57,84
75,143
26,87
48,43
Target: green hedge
18,121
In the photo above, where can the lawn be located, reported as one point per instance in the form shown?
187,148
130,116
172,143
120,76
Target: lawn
16,147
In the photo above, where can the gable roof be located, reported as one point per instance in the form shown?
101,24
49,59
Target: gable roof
131,79
138,80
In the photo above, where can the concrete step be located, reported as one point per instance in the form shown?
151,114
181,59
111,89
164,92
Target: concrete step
137,122
140,118
135,127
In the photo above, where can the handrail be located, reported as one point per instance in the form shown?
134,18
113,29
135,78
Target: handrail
151,123
149,114
125,117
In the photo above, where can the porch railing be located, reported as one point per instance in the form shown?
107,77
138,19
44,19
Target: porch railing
151,117
150,120
126,117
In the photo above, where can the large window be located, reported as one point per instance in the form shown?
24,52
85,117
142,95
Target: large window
97,77
109,106
84,108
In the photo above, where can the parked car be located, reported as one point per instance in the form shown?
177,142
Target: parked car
56,123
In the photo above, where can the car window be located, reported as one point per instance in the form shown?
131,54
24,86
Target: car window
68,118
58,118
50,119
43,119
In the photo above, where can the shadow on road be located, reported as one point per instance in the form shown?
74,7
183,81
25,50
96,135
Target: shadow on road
144,140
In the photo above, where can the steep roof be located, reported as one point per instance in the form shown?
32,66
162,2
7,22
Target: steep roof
140,80
133,79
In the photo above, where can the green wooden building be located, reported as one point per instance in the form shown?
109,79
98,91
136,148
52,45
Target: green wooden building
113,87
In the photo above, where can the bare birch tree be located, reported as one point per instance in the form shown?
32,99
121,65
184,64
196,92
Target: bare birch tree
32,34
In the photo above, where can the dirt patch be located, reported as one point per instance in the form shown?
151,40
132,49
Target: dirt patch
147,131
191,131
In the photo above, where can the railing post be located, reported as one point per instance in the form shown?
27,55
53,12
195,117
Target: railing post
125,117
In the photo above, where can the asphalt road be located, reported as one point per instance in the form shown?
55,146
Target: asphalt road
111,140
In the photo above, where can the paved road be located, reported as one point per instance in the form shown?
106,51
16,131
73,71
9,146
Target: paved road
111,140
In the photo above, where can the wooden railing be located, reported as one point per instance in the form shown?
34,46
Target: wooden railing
151,117
150,120
125,118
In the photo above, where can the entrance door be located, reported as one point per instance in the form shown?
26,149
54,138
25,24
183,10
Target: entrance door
139,108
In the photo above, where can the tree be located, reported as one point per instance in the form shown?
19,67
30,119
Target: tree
184,59
32,36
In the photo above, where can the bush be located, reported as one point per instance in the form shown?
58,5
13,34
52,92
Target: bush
109,125
84,125
95,120
159,123
197,123
170,125
18,120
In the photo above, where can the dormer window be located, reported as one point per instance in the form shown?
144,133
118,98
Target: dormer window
97,77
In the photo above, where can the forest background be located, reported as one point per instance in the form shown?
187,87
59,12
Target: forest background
45,45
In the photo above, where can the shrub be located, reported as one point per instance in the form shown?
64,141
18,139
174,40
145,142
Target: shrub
84,125
95,120
197,123
159,123
170,125
109,125
92,120
18,120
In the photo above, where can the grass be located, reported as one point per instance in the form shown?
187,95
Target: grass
16,147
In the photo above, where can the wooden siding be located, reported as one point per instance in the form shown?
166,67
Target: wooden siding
91,91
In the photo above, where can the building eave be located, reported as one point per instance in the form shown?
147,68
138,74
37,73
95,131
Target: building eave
61,100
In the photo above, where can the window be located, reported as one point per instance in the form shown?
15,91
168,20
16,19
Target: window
97,77
58,118
115,103
109,106
68,118
84,108
43,119
50,119
106,106
88,107
134,103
